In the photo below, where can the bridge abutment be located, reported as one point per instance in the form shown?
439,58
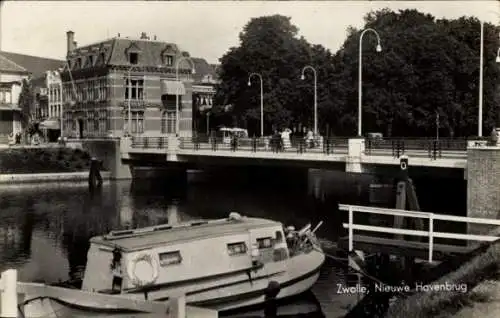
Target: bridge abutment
110,152
483,186
355,149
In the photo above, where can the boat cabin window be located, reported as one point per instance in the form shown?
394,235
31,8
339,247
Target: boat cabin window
265,242
235,249
170,258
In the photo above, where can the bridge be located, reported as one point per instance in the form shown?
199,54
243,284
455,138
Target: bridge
357,154
475,160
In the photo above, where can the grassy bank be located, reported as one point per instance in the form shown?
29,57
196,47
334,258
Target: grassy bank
447,303
43,160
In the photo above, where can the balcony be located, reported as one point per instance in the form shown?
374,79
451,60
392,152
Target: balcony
9,106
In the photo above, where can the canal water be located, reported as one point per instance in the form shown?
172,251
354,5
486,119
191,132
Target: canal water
45,228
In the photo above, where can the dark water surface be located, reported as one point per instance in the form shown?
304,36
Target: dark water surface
44,228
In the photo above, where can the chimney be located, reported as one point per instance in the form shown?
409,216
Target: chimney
70,41
144,36
155,37
118,34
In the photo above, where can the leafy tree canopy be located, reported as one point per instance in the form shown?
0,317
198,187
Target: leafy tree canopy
270,46
26,101
427,67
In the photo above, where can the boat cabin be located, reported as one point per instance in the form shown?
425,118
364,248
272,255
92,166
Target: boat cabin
169,255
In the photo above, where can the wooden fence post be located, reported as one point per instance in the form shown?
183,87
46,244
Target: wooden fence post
8,294
177,306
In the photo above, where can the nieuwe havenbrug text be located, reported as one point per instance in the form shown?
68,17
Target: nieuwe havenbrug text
403,288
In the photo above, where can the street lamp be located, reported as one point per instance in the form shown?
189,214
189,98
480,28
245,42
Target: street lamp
184,58
302,77
261,100
360,68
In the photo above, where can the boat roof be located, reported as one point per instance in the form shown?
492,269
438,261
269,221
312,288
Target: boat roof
144,238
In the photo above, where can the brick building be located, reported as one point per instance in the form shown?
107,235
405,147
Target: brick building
104,77
48,103
205,80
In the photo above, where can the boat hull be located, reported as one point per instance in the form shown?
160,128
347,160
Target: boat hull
253,298
39,300
294,276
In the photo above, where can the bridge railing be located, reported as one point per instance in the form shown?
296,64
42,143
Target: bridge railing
433,148
150,142
430,234
337,145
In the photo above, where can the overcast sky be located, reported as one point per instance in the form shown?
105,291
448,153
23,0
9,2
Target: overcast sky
203,28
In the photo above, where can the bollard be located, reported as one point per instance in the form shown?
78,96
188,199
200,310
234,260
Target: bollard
177,306
271,292
8,294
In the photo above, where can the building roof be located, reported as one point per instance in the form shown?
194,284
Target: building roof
114,52
155,236
202,69
22,63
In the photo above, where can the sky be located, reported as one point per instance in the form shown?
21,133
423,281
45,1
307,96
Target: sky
203,28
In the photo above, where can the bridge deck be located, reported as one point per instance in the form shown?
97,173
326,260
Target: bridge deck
371,244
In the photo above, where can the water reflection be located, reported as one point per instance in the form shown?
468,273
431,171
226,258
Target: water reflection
44,229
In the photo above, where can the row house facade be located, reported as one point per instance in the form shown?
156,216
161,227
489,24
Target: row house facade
102,81
49,103
14,69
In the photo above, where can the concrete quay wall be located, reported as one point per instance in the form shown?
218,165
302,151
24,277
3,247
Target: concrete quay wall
48,177
483,186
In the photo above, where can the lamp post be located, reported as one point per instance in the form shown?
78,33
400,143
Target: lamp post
360,71
261,100
481,63
302,77
208,123
184,58
437,125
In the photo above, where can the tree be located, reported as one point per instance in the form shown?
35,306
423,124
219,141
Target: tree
27,106
26,102
271,47
426,67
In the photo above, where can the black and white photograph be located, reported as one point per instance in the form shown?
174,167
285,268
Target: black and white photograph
249,159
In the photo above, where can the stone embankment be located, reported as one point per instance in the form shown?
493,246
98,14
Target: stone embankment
42,164
473,273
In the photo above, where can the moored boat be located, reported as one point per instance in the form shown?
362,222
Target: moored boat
39,300
220,264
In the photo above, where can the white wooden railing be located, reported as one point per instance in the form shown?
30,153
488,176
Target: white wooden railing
431,234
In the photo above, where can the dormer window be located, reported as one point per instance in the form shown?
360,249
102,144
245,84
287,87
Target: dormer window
91,60
132,53
102,59
168,60
133,58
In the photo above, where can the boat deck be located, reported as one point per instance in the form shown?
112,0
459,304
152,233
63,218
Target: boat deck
131,240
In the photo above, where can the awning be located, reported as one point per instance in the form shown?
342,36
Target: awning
172,88
50,124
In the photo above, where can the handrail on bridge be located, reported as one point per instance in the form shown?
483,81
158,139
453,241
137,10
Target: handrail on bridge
149,142
431,234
